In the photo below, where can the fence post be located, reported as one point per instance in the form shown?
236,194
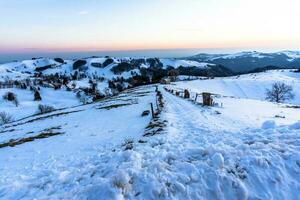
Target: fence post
156,101
152,111
196,97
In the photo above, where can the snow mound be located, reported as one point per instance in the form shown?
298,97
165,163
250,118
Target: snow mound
295,125
218,160
270,124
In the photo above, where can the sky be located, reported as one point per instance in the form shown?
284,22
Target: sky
125,25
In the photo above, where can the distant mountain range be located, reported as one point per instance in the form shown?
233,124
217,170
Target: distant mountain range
251,60
113,67
109,68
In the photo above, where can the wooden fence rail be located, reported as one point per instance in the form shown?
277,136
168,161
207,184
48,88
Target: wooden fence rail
207,98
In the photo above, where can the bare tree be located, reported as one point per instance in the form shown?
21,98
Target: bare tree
173,74
5,118
280,92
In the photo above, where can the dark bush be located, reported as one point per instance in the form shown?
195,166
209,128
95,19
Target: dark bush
37,96
122,67
98,65
59,60
154,63
9,96
137,62
45,109
78,63
39,69
145,113
107,62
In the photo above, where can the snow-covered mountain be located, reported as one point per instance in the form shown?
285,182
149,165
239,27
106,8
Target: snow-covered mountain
251,60
102,66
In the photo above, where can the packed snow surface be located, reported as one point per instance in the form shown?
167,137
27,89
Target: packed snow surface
243,148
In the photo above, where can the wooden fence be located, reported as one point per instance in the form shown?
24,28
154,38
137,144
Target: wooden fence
207,98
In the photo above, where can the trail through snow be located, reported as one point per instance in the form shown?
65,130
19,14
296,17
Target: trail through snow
233,164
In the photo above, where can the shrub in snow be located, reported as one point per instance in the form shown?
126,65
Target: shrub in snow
145,113
5,118
45,109
280,92
37,96
268,124
128,144
217,160
120,87
10,96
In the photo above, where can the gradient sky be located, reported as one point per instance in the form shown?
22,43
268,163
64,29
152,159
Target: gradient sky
88,25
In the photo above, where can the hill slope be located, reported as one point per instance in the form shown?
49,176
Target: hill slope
250,86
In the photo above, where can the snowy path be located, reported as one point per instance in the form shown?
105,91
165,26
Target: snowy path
247,163
195,116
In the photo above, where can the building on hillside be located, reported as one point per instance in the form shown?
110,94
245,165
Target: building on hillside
165,81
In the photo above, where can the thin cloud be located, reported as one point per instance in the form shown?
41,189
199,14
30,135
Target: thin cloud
83,12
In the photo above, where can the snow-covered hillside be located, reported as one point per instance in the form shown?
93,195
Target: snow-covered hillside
251,86
252,60
254,54
109,74
199,152
93,66
243,147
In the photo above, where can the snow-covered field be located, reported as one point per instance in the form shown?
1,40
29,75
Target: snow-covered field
85,132
247,148
250,86
27,106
